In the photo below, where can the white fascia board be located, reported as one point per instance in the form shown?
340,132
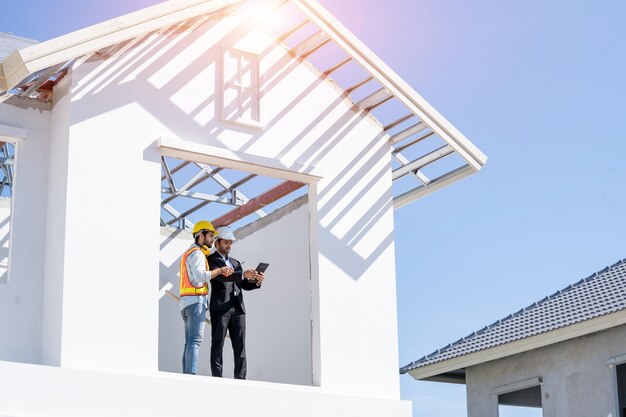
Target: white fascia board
509,349
226,158
26,61
392,82
12,133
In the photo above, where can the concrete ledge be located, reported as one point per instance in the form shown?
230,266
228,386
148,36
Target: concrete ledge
58,391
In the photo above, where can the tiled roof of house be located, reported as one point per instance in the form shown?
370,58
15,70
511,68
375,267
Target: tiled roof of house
597,295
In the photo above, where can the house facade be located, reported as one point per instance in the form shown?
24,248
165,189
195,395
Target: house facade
91,117
563,355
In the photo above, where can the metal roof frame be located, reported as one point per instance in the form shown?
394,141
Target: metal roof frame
33,71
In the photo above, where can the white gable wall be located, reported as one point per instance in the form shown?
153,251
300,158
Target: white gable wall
21,296
166,87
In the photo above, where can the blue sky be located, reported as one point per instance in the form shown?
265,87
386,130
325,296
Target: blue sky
539,87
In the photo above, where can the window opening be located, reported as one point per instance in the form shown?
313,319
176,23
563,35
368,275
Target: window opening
521,403
241,89
270,219
620,373
7,166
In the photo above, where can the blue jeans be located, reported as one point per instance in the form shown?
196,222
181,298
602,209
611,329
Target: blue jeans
193,316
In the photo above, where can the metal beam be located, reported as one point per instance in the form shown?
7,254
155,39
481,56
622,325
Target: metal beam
290,32
310,44
416,128
205,197
359,84
43,77
177,168
422,162
436,184
227,185
404,161
398,121
392,82
204,203
412,142
337,66
258,202
204,174
374,98
168,174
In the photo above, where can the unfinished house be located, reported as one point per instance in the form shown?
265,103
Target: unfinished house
562,356
270,117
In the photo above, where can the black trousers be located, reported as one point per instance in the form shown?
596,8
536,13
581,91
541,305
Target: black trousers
233,320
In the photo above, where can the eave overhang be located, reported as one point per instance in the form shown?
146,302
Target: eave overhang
454,365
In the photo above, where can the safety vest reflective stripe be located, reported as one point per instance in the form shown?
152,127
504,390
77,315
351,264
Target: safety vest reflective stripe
185,285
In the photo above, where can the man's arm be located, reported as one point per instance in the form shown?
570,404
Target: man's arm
223,273
252,280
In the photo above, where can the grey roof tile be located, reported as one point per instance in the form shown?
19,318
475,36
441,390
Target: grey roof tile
597,295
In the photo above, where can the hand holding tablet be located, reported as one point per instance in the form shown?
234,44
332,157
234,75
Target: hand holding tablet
262,267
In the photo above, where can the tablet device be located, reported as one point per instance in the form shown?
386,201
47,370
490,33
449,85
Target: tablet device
262,267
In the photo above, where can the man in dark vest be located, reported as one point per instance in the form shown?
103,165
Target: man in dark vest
227,309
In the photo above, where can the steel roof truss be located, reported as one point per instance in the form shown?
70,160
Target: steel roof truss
417,173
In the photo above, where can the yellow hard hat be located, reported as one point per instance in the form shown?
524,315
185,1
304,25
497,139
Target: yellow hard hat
204,225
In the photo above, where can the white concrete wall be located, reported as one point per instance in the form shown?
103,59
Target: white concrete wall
577,381
21,296
62,392
57,183
172,87
278,340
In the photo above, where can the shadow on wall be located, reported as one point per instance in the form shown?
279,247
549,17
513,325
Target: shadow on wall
167,75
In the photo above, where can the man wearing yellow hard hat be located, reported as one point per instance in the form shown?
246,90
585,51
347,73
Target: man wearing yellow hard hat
194,278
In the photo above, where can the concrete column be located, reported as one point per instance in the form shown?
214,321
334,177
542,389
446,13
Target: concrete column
102,249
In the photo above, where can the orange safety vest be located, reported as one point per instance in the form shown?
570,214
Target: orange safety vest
186,288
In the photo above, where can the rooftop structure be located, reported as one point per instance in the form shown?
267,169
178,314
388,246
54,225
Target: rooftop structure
592,304
428,152
127,132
